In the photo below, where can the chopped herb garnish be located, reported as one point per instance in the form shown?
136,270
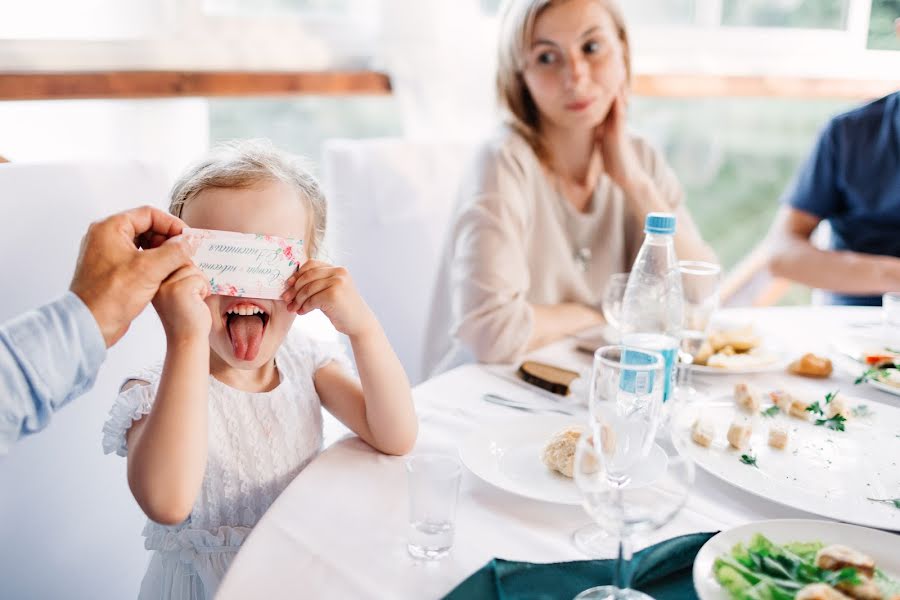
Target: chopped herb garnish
835,423
894,501
815,408
830,396
876,373
749,459
772,411
861,411
845,575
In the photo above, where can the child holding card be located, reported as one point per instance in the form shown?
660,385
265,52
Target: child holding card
215,433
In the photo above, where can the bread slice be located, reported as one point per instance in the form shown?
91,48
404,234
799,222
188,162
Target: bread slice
553,379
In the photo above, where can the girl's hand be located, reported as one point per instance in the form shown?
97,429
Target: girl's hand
181,307
620,161
320,285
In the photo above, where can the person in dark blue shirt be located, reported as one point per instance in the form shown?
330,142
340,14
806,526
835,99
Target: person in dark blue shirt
852,180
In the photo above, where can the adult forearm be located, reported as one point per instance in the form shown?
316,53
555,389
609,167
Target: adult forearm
838,271
689,244
168,458
555,321
47,357
390,416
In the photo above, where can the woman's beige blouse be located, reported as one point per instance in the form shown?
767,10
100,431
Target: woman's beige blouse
515,241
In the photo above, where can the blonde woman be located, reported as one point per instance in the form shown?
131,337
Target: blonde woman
556,202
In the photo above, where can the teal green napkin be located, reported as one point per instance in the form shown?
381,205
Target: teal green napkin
663,571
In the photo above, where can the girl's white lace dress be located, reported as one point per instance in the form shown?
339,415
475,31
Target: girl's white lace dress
258,442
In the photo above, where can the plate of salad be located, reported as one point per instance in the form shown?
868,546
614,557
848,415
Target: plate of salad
797,559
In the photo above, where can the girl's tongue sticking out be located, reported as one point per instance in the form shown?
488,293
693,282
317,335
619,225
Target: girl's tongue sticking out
246,324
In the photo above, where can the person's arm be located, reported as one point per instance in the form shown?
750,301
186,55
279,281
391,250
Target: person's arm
167,447
378,407
648,182
555,321
51,355
793,256
646,197
815,195
47,357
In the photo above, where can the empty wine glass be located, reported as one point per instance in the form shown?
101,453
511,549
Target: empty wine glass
628,498
626,398
700,285
611,301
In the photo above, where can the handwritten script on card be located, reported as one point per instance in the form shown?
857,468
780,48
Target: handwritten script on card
245,264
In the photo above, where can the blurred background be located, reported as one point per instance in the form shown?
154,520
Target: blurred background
388,97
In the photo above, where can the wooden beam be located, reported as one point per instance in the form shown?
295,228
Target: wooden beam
173,84
690,86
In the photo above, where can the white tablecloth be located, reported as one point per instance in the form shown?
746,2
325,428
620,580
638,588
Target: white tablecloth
339,530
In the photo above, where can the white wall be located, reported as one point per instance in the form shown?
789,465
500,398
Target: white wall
167,133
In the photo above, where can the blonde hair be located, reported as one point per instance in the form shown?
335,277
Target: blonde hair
245,163
517,19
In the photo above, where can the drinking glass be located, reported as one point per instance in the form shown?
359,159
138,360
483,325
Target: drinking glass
890,311
626,398
611,302
627,497
433,490
700,284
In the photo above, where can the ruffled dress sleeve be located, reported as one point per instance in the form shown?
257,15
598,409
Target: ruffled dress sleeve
130,405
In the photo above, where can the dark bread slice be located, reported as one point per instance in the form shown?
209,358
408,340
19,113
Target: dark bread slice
553,379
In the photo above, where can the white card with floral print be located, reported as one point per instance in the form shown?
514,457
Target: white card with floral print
245,264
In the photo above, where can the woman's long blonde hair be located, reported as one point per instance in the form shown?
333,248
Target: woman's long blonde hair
517,19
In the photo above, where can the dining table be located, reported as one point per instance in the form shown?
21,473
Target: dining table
339,530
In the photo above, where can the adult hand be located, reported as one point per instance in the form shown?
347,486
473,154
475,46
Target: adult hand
116,279
620,161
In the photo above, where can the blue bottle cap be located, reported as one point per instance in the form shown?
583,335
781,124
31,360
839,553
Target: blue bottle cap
660,223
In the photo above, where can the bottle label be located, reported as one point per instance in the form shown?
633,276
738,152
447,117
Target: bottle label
636,381
667,347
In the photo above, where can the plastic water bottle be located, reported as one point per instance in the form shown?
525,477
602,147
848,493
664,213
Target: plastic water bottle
653,305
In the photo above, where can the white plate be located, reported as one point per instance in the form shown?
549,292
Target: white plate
779,363
881,546
509,457
885,387
830,473
851,348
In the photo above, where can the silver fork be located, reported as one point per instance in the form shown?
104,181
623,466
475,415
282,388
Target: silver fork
517,405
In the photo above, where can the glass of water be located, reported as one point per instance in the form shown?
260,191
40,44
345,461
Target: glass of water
700,284
626,406
890,307
433,489
611,302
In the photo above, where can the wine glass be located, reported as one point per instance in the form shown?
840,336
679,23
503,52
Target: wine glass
700,285
611,301
625,498
626,398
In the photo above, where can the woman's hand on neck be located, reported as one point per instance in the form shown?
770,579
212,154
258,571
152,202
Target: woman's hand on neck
262,379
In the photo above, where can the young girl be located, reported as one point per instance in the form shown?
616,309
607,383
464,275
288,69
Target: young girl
555,203
216,433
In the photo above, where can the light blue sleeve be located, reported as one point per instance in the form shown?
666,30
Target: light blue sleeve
48,356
